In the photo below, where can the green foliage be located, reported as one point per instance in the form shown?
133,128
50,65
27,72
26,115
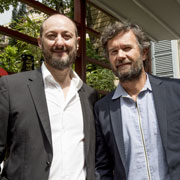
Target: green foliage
12,55
31,27
62,6
5,5
17,13
93,52
10,59
100,79
96,76
29,49
27,26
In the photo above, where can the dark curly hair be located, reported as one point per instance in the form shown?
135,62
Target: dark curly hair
112,30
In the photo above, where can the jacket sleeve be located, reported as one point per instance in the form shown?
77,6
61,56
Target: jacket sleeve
4,116
104,166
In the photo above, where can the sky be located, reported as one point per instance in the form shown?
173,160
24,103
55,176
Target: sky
5,18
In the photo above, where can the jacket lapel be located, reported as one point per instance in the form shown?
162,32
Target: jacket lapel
116,120
36,87
159,95
86,118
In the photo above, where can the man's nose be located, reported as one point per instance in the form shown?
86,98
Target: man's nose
121,54
59,41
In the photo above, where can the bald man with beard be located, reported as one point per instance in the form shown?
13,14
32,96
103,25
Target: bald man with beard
46,116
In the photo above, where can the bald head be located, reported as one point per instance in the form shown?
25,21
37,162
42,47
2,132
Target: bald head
55,17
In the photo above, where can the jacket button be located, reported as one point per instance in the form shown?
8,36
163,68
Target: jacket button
48,164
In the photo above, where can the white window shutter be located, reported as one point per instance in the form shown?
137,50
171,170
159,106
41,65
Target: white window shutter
165,62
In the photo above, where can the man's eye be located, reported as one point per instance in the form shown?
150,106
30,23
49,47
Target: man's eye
67,36
114,52
51,36
127,49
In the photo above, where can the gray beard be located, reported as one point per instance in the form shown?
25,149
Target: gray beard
129,76
134,73
60,63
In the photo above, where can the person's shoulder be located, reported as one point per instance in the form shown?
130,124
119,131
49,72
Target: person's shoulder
165,80
90,92
105,100
87,88
20,74
18,78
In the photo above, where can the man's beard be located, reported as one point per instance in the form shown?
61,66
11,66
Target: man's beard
134,72
60,63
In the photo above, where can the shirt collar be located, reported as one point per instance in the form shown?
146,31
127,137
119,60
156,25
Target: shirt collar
76,80
121,92
49,79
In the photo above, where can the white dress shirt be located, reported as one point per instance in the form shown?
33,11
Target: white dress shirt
66,122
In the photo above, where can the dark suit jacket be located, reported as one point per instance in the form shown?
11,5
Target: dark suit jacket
110,153
25,134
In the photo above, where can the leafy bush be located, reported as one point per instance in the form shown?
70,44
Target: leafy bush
10,59
97,77
100,79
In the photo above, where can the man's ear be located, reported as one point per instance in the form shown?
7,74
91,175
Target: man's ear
78,40
145,54
39,42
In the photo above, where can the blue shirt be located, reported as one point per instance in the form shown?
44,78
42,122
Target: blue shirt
145,159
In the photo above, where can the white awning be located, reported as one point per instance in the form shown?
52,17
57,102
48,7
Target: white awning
160,19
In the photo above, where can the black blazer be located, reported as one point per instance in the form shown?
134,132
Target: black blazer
25,134
110,153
